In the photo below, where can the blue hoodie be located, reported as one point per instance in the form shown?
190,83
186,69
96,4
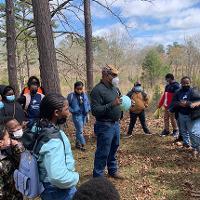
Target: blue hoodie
56,163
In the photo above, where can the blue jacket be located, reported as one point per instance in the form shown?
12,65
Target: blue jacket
74,106
56,163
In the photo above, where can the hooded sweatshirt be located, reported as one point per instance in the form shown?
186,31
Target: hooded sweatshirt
168,95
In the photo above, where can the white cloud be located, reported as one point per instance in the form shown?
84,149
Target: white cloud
162,21
167,37
156,9
105,31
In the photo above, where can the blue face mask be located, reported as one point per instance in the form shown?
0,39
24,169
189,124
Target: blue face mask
1,105
138,89
10,98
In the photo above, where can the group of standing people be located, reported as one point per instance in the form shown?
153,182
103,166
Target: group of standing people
182,107
42,114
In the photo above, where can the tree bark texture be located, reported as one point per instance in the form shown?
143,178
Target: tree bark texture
47,54
11,45
88,43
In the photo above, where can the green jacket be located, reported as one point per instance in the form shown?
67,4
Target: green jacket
102,97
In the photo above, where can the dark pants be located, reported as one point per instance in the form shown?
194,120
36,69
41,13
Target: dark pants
54,193
108,137
133,119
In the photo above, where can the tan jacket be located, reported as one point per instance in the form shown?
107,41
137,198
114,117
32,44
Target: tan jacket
141,102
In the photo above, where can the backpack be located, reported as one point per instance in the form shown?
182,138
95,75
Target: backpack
130,94
26,177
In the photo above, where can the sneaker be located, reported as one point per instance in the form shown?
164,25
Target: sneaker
80,147
164,133
175,134
83,148
117,176
178,143
179,139
128,136
187,146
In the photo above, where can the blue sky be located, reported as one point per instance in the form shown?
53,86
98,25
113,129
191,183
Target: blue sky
162,21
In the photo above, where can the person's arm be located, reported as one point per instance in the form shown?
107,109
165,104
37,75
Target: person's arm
97,105
88,102
17,149
146,102
161,102
195,97
175,104
69,99
172,105
54,160
129,94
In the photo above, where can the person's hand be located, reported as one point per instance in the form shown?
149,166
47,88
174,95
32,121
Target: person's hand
117,101
183,104
4,143
195,104
24,124
14,142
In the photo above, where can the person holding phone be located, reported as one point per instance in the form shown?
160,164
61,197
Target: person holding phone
105,106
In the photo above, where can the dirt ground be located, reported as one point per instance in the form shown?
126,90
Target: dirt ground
154,168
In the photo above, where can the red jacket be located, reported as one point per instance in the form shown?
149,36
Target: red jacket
168,95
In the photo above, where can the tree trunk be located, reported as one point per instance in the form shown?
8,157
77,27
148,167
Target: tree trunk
27,57
20,70
11,45
26,54
47,54
88,44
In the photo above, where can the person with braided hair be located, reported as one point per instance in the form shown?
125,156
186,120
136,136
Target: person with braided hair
55,160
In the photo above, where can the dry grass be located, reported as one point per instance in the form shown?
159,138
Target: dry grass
154,168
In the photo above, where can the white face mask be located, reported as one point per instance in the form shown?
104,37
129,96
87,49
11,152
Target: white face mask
18,134
115,82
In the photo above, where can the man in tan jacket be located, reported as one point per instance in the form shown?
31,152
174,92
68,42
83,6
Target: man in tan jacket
140,99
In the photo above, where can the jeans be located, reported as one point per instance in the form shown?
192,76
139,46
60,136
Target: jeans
79,122
133,119
108,138
185,128
54,193
195,134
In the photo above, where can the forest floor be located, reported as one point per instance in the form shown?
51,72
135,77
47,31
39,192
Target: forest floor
155,168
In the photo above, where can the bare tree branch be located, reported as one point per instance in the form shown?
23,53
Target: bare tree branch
60,7
112,12
67,33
